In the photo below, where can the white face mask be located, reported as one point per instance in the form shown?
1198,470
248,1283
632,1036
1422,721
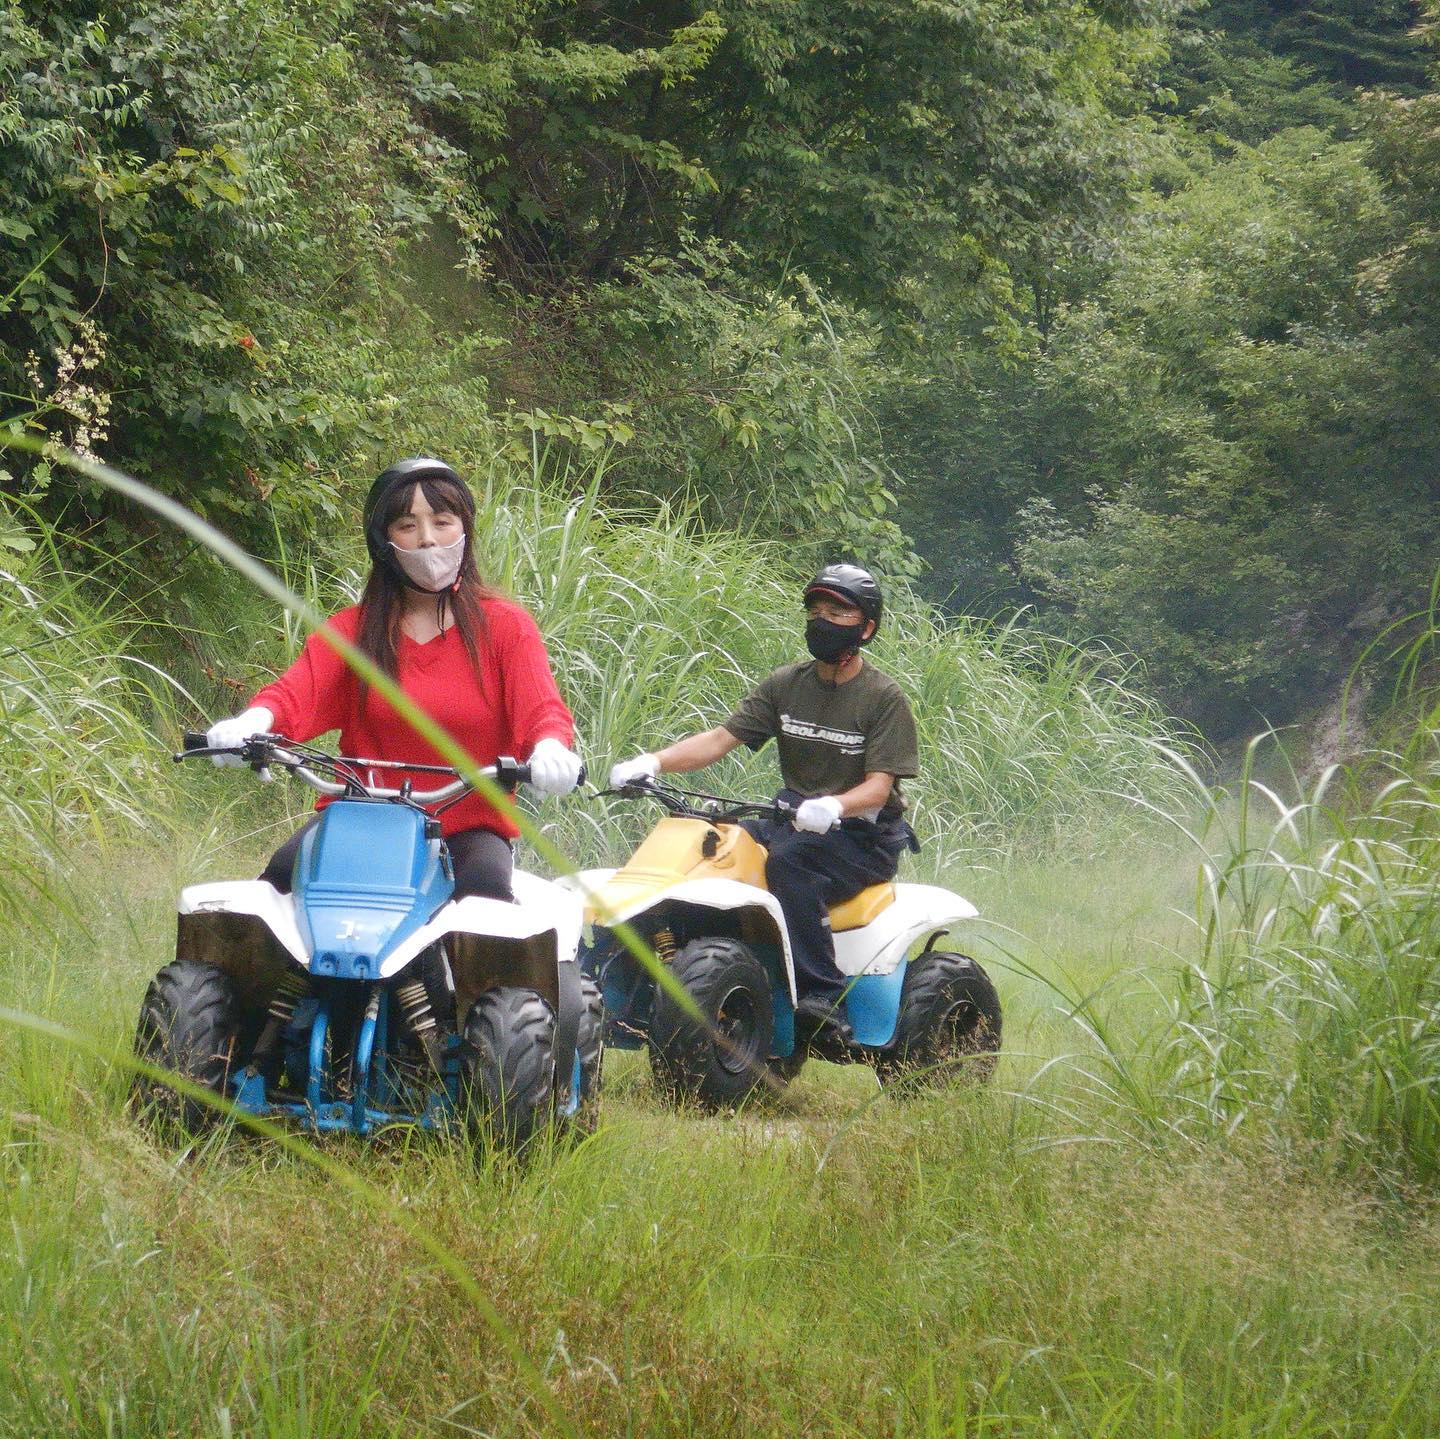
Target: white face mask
435,568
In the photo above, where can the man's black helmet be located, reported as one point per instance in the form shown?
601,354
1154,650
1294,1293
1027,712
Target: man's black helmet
851,583
402,472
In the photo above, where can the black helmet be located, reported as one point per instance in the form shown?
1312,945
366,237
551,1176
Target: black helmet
851,583
402,472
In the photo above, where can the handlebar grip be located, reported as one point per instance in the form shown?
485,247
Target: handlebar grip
195,739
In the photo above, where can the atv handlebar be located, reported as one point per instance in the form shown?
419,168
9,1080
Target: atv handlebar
353,776
693,804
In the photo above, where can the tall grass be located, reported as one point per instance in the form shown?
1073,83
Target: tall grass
827,1264
1303,1013
834,1263
658,626
79,710
1314,1008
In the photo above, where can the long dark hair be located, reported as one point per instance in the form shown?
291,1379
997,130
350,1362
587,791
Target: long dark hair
382,606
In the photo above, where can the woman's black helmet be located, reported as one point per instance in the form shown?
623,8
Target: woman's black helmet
851,583
402,472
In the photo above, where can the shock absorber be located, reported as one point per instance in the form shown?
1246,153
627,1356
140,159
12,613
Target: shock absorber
414,1001
291,989
665,945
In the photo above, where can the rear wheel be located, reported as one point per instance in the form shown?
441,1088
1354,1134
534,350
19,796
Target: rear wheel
507,1066
948,1027
190,1023
721,1060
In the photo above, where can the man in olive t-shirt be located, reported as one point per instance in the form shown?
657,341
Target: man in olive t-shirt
846,738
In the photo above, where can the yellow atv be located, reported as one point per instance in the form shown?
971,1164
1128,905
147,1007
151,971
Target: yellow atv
695,892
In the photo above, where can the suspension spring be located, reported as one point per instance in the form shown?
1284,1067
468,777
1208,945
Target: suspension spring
414,1001
288,993
665,945
415,1005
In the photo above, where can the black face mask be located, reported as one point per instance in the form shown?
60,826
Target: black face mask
829,642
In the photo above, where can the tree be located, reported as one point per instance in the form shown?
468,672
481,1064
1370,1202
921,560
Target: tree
887,150
183,182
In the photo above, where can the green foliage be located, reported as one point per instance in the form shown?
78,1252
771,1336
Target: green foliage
1221,454
784,263
755,402
78,706
884,150
184,183
1247,472
1246,70
482,227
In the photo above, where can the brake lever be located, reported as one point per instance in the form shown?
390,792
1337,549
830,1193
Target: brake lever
633,790
200,752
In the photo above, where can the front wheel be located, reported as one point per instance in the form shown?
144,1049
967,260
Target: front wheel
720,1060
189,1023
507,1066
949,1024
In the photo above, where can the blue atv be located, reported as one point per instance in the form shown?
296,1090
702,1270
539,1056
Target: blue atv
368,997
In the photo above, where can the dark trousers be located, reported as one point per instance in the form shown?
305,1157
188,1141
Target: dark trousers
483,862
807,873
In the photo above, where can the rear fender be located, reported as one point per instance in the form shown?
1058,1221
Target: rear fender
920,912
755,907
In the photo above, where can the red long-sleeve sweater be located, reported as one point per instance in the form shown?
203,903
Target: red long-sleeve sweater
513,705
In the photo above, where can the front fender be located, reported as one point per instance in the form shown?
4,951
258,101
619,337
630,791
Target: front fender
245,928
542,907
722,894
255,897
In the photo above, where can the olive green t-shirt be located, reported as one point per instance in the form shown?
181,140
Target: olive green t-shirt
831,736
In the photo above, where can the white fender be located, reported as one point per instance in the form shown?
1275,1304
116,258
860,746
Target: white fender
584,882
716,894
250,896
918,912
541,907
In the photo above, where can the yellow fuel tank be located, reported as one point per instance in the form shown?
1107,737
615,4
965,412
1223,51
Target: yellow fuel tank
678,849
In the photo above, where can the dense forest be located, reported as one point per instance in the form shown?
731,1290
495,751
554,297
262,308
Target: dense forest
1121,313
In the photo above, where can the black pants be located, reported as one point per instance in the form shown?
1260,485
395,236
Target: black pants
483,862
808,873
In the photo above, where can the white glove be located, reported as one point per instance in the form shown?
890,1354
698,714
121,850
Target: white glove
233,732
818,816
553,768
643,766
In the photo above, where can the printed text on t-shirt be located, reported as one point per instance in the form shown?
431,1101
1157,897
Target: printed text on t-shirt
847,740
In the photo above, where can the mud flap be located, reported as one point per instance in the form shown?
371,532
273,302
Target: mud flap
567,1023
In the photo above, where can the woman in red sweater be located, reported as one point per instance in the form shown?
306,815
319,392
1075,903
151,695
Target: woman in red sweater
473,660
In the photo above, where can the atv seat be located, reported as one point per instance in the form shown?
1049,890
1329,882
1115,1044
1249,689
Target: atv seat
862,908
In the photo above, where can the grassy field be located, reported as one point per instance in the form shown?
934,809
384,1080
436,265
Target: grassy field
1197,1199
833,1262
